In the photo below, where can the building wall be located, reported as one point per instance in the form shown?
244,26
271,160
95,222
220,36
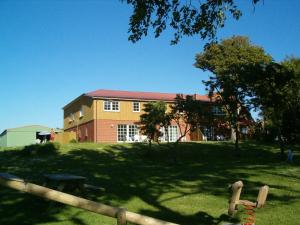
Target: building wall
20,138
3,140
106,122
84,132
65,137
107,129
99,125
75,107
125,112
196,135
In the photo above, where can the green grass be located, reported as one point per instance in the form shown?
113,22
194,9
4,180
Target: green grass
191,192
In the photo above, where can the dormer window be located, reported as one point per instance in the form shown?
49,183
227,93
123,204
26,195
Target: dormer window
136,107
111,106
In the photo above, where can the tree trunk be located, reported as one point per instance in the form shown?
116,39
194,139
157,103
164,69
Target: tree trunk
281,144
237,136
149,148
237,139
233,134
175,153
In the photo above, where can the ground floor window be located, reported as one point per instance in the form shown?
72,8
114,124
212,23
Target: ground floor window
208,132
127,132
170,134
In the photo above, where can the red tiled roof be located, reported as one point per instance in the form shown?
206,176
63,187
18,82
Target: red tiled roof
139,95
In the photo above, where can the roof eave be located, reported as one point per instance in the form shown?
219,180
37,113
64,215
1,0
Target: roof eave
129,99
76,99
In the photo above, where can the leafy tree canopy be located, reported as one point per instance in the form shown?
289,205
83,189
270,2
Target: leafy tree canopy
185,18
155,116
277,92
232,63
187,112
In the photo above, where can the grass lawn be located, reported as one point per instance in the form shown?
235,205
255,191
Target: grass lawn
191,192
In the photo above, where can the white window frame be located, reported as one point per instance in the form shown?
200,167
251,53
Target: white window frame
171,136
111,106
128,128
122,128
133,107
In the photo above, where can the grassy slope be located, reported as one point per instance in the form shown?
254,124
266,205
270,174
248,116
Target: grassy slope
192,192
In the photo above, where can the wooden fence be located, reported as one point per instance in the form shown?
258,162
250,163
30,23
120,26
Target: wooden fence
65,137
120,214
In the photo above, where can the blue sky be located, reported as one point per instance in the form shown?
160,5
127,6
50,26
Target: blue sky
53,51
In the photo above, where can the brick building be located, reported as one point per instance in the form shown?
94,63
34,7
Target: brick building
113,116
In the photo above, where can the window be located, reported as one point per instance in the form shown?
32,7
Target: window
127,132
132,131
208,132
244,130
122,132
79,134
107,105
86,133
71,117
81,111
216,110
115,106
111,105
171,134
136,107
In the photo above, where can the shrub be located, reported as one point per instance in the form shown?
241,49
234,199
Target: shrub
41,149
73,141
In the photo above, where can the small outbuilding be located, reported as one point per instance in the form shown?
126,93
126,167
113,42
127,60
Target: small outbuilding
26,135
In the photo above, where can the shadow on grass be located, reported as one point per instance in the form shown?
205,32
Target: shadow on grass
126,173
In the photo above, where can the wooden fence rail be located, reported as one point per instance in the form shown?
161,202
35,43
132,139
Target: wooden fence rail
120,214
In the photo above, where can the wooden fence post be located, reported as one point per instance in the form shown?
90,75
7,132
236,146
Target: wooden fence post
262,196
236,189
121,217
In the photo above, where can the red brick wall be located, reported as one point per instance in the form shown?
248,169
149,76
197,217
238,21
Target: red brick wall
182,125
106,130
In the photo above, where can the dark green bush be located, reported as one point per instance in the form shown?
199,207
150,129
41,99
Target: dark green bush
41,149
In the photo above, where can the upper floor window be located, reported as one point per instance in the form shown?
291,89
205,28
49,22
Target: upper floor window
111,105
71,117
136,107
81,113
216,110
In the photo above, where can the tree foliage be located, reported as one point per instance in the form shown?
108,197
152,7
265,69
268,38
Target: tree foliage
185,18
232,63
277,91
187,112
153,118
291,118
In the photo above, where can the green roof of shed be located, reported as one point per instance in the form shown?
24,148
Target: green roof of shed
30,128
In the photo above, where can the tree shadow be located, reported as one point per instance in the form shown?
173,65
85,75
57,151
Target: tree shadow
126,173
